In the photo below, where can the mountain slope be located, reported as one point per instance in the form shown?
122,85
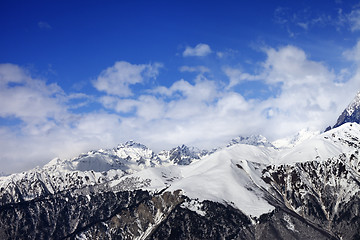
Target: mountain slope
239,192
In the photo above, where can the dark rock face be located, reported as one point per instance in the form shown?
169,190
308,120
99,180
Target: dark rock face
317,192
350,114
63,215
129,215
345,117
219,222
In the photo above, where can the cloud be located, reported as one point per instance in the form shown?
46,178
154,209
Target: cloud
199,50
353,54
289,65
202,111
200,69
41,124
310,94
28,99
354,20
296,22
116,80
236,76
227,53
44,25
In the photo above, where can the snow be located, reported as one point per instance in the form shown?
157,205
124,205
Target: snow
255,140
159,217
218,178
289,224
291,142
222,177
230,175
353,105
195,206
321,147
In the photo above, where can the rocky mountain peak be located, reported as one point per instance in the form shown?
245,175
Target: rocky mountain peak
131,144
350,114
255,140
355,104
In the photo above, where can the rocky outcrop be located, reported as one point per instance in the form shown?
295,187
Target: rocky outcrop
350,114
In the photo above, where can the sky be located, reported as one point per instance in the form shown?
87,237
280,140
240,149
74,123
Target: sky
77,76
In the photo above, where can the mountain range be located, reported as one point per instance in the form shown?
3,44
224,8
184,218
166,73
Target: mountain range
303,187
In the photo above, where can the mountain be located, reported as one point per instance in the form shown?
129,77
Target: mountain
350,114
290,142
250,189
95,169
255,140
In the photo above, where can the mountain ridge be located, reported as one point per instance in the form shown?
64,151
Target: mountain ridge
249,189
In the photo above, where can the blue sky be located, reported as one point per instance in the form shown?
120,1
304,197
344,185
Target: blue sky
76,76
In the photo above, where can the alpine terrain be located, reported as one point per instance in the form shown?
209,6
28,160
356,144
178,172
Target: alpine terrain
296,188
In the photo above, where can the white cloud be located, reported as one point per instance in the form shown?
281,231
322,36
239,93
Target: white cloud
236,76
116,80
28,99
289,65
202,112
41,125
199,50
353,54
354,20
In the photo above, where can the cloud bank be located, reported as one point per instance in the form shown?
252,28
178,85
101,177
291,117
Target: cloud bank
40,121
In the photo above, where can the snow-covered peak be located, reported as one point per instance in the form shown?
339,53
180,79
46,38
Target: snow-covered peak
132,144
298,138
350,114
321,147
355,104
133,150
255,140
181,155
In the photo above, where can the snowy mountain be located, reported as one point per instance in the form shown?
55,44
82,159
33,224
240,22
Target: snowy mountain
298,138
351,113
303,187
90,169
255,140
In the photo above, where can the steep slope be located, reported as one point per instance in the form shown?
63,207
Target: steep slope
226,176
350,114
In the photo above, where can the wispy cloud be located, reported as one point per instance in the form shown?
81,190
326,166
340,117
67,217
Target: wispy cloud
200,69
44,25
304,20
354,19
199,50
236,76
